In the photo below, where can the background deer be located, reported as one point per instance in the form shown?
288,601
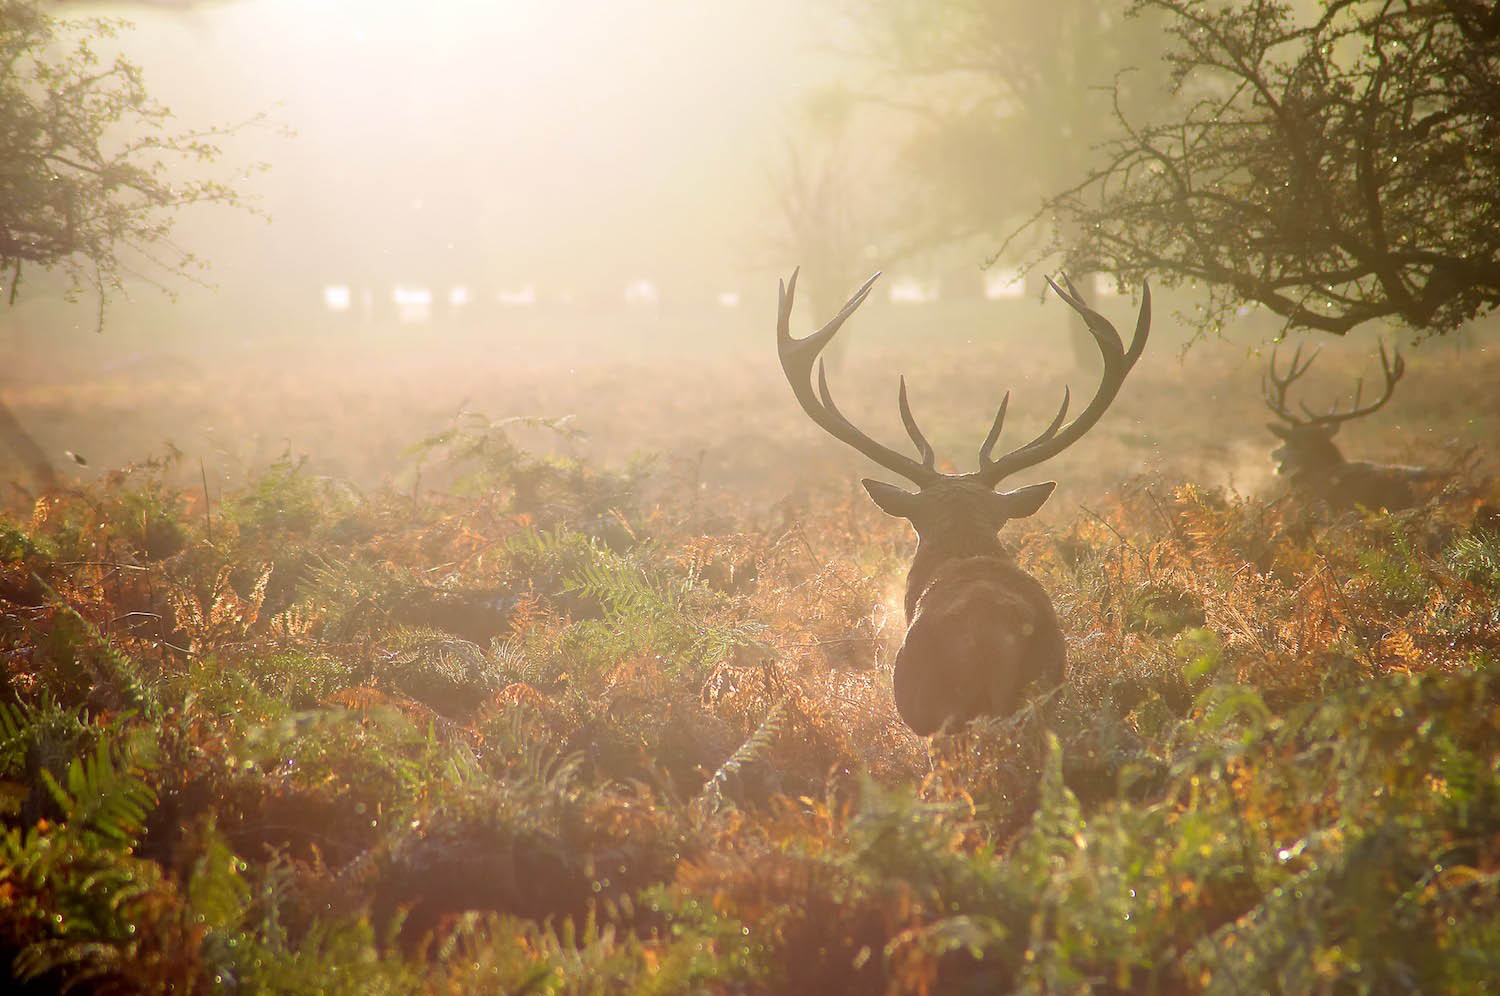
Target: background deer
979,629
1313,464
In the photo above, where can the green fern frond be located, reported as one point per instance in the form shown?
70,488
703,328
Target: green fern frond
80,961
413,643
755,749
102,796
122,672
16,726
354,595
549,774
625,586
1477,558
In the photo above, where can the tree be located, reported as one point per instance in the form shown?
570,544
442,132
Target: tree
1335,167
825,205
1003,96
87,185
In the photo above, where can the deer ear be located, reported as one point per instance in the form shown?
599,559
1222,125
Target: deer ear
891,499
1279,431
1020,503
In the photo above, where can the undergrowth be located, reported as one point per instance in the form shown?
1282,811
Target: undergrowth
530,734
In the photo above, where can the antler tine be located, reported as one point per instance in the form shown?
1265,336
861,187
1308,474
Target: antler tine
1275,396
1392,371
1117,363
994,436
814,343
797,357
985,463
1099,326
929,458
1137,341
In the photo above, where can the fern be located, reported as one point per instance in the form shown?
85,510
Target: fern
121,672
450,674
1476,558
415,643
354,596
1398,572
755,749
624,587
106,796
16,731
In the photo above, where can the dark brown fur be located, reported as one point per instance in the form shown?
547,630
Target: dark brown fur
979,633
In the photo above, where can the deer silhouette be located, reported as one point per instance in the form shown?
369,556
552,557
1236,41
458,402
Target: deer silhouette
1313,464
980,630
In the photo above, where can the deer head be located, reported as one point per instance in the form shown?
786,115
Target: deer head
1308,449
979,629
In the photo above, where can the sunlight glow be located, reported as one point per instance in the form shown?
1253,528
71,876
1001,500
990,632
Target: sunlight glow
642,292
517,297
909,290
1105,285
336,297
1003,282
413,303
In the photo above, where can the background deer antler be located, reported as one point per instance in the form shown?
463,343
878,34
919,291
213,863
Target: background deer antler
1276,386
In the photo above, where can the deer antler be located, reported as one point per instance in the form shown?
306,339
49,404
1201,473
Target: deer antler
1057,437
797,356
1275,391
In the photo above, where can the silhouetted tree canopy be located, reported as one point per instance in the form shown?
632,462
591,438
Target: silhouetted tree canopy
91,173
1336,168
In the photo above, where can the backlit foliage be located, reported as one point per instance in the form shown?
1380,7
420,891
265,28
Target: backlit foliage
537,734
1332,162
79,193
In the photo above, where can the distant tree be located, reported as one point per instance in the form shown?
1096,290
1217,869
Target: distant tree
1002,96
91,176
825,205
1336,166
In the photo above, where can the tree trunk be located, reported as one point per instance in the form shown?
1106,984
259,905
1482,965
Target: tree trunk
15,438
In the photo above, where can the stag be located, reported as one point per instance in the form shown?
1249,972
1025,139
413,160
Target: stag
980,631
1313,463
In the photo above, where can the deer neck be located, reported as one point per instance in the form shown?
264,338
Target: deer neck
1330,456
935,551
1319,459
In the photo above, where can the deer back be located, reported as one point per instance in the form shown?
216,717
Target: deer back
981,632
1371,485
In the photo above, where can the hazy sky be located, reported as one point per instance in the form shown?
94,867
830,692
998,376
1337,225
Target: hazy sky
612,138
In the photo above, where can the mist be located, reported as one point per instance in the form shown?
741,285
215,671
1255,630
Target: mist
583,209
574,209
572,147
